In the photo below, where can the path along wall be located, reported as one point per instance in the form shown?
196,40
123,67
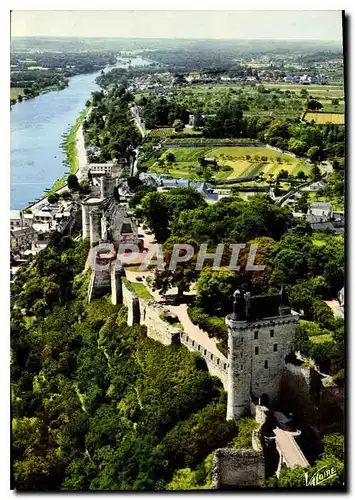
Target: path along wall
149,313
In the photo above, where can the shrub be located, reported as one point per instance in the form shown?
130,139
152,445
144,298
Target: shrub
213,325
339,378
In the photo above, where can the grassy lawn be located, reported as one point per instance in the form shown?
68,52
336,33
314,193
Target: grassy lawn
323,118
139,289
236,161
70,143
15,92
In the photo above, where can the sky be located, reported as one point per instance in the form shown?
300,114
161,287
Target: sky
292,25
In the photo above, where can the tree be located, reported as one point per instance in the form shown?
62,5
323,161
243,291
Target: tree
155,210
301,176
134,183
322,314
215,289
302,203
333,446
302,228
314,105
142,101
297,146
182,276
301,297
66,195
84,187
316,173
170,157
315,154
282,175
73,183
178,125
53,198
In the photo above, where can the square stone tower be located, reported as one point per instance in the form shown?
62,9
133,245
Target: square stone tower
261,333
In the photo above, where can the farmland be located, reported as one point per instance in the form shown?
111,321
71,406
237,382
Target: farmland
164,132
233,162
268,99
324,118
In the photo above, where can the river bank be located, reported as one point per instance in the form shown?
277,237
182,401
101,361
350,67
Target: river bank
37,125
74,149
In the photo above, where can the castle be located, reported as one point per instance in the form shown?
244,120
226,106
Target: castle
261,329
261,333
104,219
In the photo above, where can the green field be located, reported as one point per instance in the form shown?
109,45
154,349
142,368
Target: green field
237,161
170,132
255,103
317,91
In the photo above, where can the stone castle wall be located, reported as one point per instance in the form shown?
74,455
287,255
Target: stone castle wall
131,301
157,328
217,366
100,284
296,392
237,468
150,314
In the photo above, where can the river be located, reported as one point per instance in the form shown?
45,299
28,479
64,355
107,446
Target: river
37,127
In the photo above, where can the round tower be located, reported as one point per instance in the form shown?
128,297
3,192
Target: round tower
239,360
85,221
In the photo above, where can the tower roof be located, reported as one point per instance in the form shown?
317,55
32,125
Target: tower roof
249,308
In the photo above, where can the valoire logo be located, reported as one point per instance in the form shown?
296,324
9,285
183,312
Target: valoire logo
321,476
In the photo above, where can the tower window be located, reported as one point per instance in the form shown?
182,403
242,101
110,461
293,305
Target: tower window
272,333
256,350
256,335
265,364
275,347
126,228
241,367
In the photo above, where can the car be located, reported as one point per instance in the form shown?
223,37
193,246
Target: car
139,278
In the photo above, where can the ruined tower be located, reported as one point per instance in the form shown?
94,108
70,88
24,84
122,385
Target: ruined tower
261,332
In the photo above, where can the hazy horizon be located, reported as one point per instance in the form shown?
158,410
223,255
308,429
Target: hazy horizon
278,25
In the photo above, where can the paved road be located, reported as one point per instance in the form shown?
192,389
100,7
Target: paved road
137,119
290,449
81,154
